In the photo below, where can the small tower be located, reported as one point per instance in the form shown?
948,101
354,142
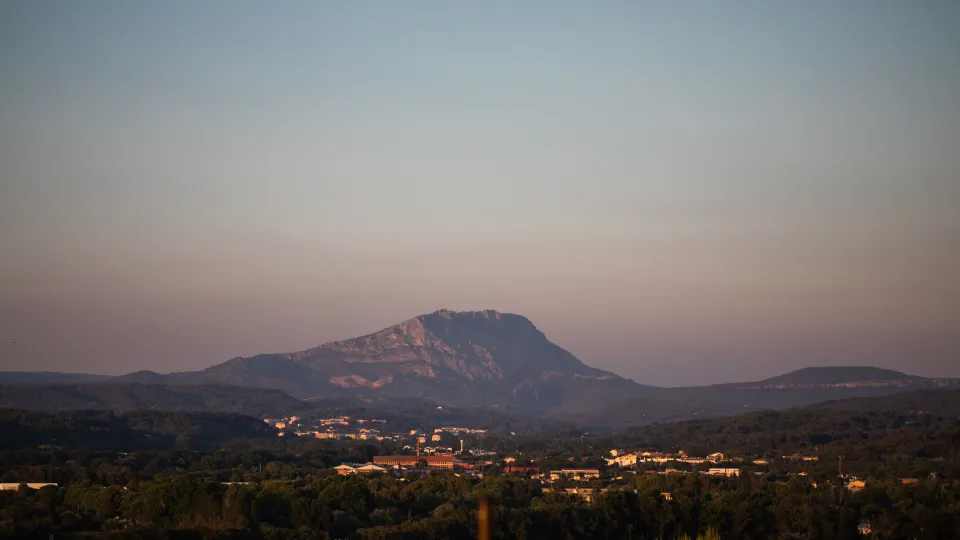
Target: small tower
418,446
461,446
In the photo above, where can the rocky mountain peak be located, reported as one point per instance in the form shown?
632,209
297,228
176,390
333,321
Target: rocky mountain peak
468,357
450,314
491,320
484,344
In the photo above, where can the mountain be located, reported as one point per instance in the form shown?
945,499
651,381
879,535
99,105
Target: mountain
835,376
122,396
484,359
477,358
798,388
48,377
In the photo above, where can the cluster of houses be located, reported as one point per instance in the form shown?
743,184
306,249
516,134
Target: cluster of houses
282,423
459,431
401,464
364,434
575,474
372,429
798,457
632,459
586,494
622,459
336,428
366,468
855,484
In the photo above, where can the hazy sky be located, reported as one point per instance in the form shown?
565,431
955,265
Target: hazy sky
681,192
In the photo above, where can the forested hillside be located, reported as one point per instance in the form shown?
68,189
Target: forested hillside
904,435
139,430
133,396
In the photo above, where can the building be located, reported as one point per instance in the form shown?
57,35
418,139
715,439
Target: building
13,486
667,496
576,474
345,470
459,430
798,457
586,494
623,460
440,462
855,484
718,471
513,469
656,457
366,468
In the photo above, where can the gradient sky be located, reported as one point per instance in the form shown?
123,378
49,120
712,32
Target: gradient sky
681,192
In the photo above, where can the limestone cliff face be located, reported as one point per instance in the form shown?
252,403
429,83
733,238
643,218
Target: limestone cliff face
477,345
466,358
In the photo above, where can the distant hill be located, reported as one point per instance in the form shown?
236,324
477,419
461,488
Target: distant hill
48,377
121,396
139,430
472,359
839,375
795,389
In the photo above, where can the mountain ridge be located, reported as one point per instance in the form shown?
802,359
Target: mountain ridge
799,388
837,375
503,361
129,396
472,358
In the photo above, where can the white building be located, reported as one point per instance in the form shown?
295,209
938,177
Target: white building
13,486
623,460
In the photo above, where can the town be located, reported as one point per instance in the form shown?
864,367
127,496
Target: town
431,451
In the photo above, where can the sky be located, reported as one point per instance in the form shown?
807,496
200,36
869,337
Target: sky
680,192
